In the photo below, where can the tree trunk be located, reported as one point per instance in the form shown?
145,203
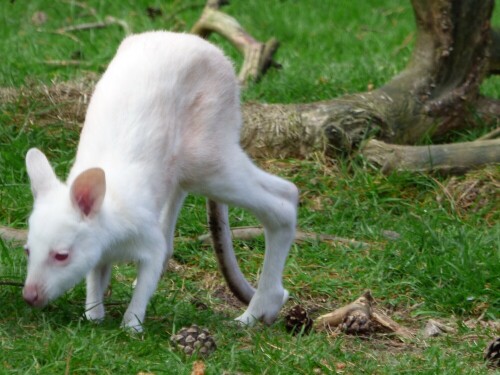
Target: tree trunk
436,93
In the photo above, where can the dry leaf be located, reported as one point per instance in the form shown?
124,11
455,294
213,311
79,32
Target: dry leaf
198,368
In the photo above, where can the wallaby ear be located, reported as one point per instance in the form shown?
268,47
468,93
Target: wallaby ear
41,174
88,190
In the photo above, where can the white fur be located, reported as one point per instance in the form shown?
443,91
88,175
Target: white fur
164,121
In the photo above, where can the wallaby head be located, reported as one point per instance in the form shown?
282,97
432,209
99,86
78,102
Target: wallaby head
63,241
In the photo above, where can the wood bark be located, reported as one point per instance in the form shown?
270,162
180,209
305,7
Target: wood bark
494,67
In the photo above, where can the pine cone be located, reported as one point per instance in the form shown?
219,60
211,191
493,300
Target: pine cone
492,353
194,340
297,320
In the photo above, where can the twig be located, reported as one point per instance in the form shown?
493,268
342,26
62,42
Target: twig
66,62
56,32
249,233
68,360
108,21
491,135
11,283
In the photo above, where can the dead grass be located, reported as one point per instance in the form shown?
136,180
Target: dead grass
61,102
474,192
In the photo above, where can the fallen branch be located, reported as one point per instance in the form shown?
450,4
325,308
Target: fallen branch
361,308
360,317
250,233
257,55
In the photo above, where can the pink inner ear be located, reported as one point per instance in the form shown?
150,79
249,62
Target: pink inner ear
84,200
87,191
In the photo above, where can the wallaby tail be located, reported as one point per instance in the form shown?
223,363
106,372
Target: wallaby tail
218,221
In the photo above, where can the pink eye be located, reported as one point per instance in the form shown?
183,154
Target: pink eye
61,257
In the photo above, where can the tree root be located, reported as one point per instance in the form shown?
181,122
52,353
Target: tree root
258,56
455,158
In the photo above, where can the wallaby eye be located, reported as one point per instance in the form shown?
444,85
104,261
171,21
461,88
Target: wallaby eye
26,250
61,257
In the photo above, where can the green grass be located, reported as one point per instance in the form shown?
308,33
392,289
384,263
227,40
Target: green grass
443,265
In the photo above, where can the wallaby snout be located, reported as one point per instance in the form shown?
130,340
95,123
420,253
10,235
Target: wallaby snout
32,296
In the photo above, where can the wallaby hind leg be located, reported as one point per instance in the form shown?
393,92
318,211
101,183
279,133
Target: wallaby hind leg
274,202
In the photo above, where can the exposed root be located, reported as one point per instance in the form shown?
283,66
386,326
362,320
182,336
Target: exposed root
258,56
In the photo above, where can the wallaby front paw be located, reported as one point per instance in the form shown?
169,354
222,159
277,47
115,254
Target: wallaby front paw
132,324
264,308
95,314
286,295
246,320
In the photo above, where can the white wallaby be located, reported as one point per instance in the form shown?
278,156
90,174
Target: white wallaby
164,121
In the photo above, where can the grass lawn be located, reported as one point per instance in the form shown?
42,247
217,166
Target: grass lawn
441,260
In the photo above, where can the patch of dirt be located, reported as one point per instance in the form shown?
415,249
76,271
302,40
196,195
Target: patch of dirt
227,298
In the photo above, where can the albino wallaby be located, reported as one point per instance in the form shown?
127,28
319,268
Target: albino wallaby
164,121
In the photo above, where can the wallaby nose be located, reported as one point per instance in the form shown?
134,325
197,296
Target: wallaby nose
30,294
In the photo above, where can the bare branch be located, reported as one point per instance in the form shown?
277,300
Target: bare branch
257,55
361,317
491,135
108,21
66,63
